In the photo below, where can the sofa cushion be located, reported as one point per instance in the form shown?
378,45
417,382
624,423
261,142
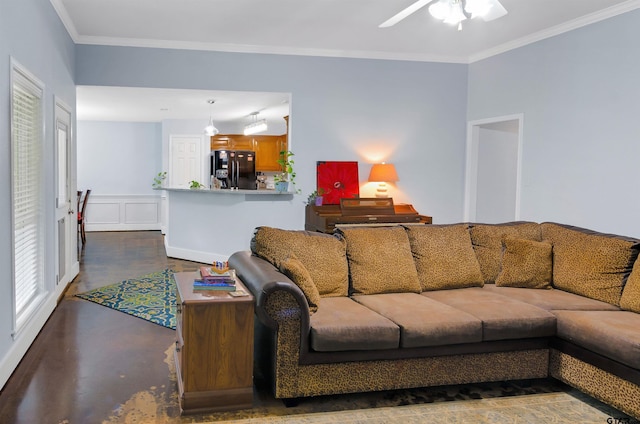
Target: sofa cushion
615,335
380,261
444,257
295,270
525,263
552,299
591,264
423,321
630,299
323,255
487,243
342,324
502,318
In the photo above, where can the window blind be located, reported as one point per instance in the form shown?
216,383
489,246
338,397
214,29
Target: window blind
27,194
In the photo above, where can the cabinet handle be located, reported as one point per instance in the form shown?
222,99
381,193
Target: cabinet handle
178,348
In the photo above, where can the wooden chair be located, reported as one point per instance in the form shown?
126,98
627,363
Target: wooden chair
81,215
78,199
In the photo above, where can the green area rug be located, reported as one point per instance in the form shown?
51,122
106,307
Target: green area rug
151,297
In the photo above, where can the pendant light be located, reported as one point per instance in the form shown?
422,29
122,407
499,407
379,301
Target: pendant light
210,129
256,125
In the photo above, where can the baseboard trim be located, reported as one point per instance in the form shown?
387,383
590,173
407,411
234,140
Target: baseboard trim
25,338
192,255
122,227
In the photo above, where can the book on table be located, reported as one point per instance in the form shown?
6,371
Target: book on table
208,273
214,287
215,278
227,284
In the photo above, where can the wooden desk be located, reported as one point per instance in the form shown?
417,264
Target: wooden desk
214,348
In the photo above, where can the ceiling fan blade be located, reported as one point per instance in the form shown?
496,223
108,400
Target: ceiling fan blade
404,13
497,11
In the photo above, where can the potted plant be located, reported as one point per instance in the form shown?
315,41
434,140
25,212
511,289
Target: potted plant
194,185
158,180
288,175
315,197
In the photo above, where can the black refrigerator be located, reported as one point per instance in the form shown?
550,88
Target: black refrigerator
234,169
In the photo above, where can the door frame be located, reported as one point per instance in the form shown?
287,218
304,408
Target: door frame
471,168
63,115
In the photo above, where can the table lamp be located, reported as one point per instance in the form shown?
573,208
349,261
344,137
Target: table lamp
383,173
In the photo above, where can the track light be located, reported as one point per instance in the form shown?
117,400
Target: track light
255,126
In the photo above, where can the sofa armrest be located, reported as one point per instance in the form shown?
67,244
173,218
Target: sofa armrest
264,280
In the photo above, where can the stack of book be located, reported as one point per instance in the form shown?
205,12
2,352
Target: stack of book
215,278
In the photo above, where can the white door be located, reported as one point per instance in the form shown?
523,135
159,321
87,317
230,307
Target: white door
493,170
185,161
66,214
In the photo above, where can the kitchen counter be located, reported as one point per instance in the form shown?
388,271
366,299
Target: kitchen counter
219,191
205,225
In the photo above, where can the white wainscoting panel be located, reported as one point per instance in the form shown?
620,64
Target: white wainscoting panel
123,213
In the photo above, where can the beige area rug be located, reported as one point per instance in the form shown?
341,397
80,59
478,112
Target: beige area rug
540,401
542,408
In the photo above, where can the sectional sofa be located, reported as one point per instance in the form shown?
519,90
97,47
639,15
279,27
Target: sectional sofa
370,309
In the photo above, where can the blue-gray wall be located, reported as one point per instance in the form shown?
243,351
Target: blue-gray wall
408,113
32,34
118,158
580,95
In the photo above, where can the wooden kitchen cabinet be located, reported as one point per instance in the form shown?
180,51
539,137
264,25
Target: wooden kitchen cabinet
267,147
268,150
232,142
214,348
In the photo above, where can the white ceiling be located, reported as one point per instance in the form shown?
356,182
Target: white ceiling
157,104
342,28
337,28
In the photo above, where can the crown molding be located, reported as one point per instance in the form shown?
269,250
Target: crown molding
601,15
276,50
66,19
589,19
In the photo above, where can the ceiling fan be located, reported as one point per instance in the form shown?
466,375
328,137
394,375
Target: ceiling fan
452,11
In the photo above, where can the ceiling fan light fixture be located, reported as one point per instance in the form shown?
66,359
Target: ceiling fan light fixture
452,11
478,8
456,15
440,9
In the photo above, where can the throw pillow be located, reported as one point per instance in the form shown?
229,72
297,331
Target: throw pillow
591,264
630,300
525,263
444,257
295,270
487,243
323,255
380,261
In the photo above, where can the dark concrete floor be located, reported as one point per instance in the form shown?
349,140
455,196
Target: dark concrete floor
89,360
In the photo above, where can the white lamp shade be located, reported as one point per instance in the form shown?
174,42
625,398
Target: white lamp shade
210,130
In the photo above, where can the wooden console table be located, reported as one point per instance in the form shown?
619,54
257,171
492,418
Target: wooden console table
214,347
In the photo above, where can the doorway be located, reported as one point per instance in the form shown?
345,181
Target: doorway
67,266
493,171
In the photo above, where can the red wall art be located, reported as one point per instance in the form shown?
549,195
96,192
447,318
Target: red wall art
337,180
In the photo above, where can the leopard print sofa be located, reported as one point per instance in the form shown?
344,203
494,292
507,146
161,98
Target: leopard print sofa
519,301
